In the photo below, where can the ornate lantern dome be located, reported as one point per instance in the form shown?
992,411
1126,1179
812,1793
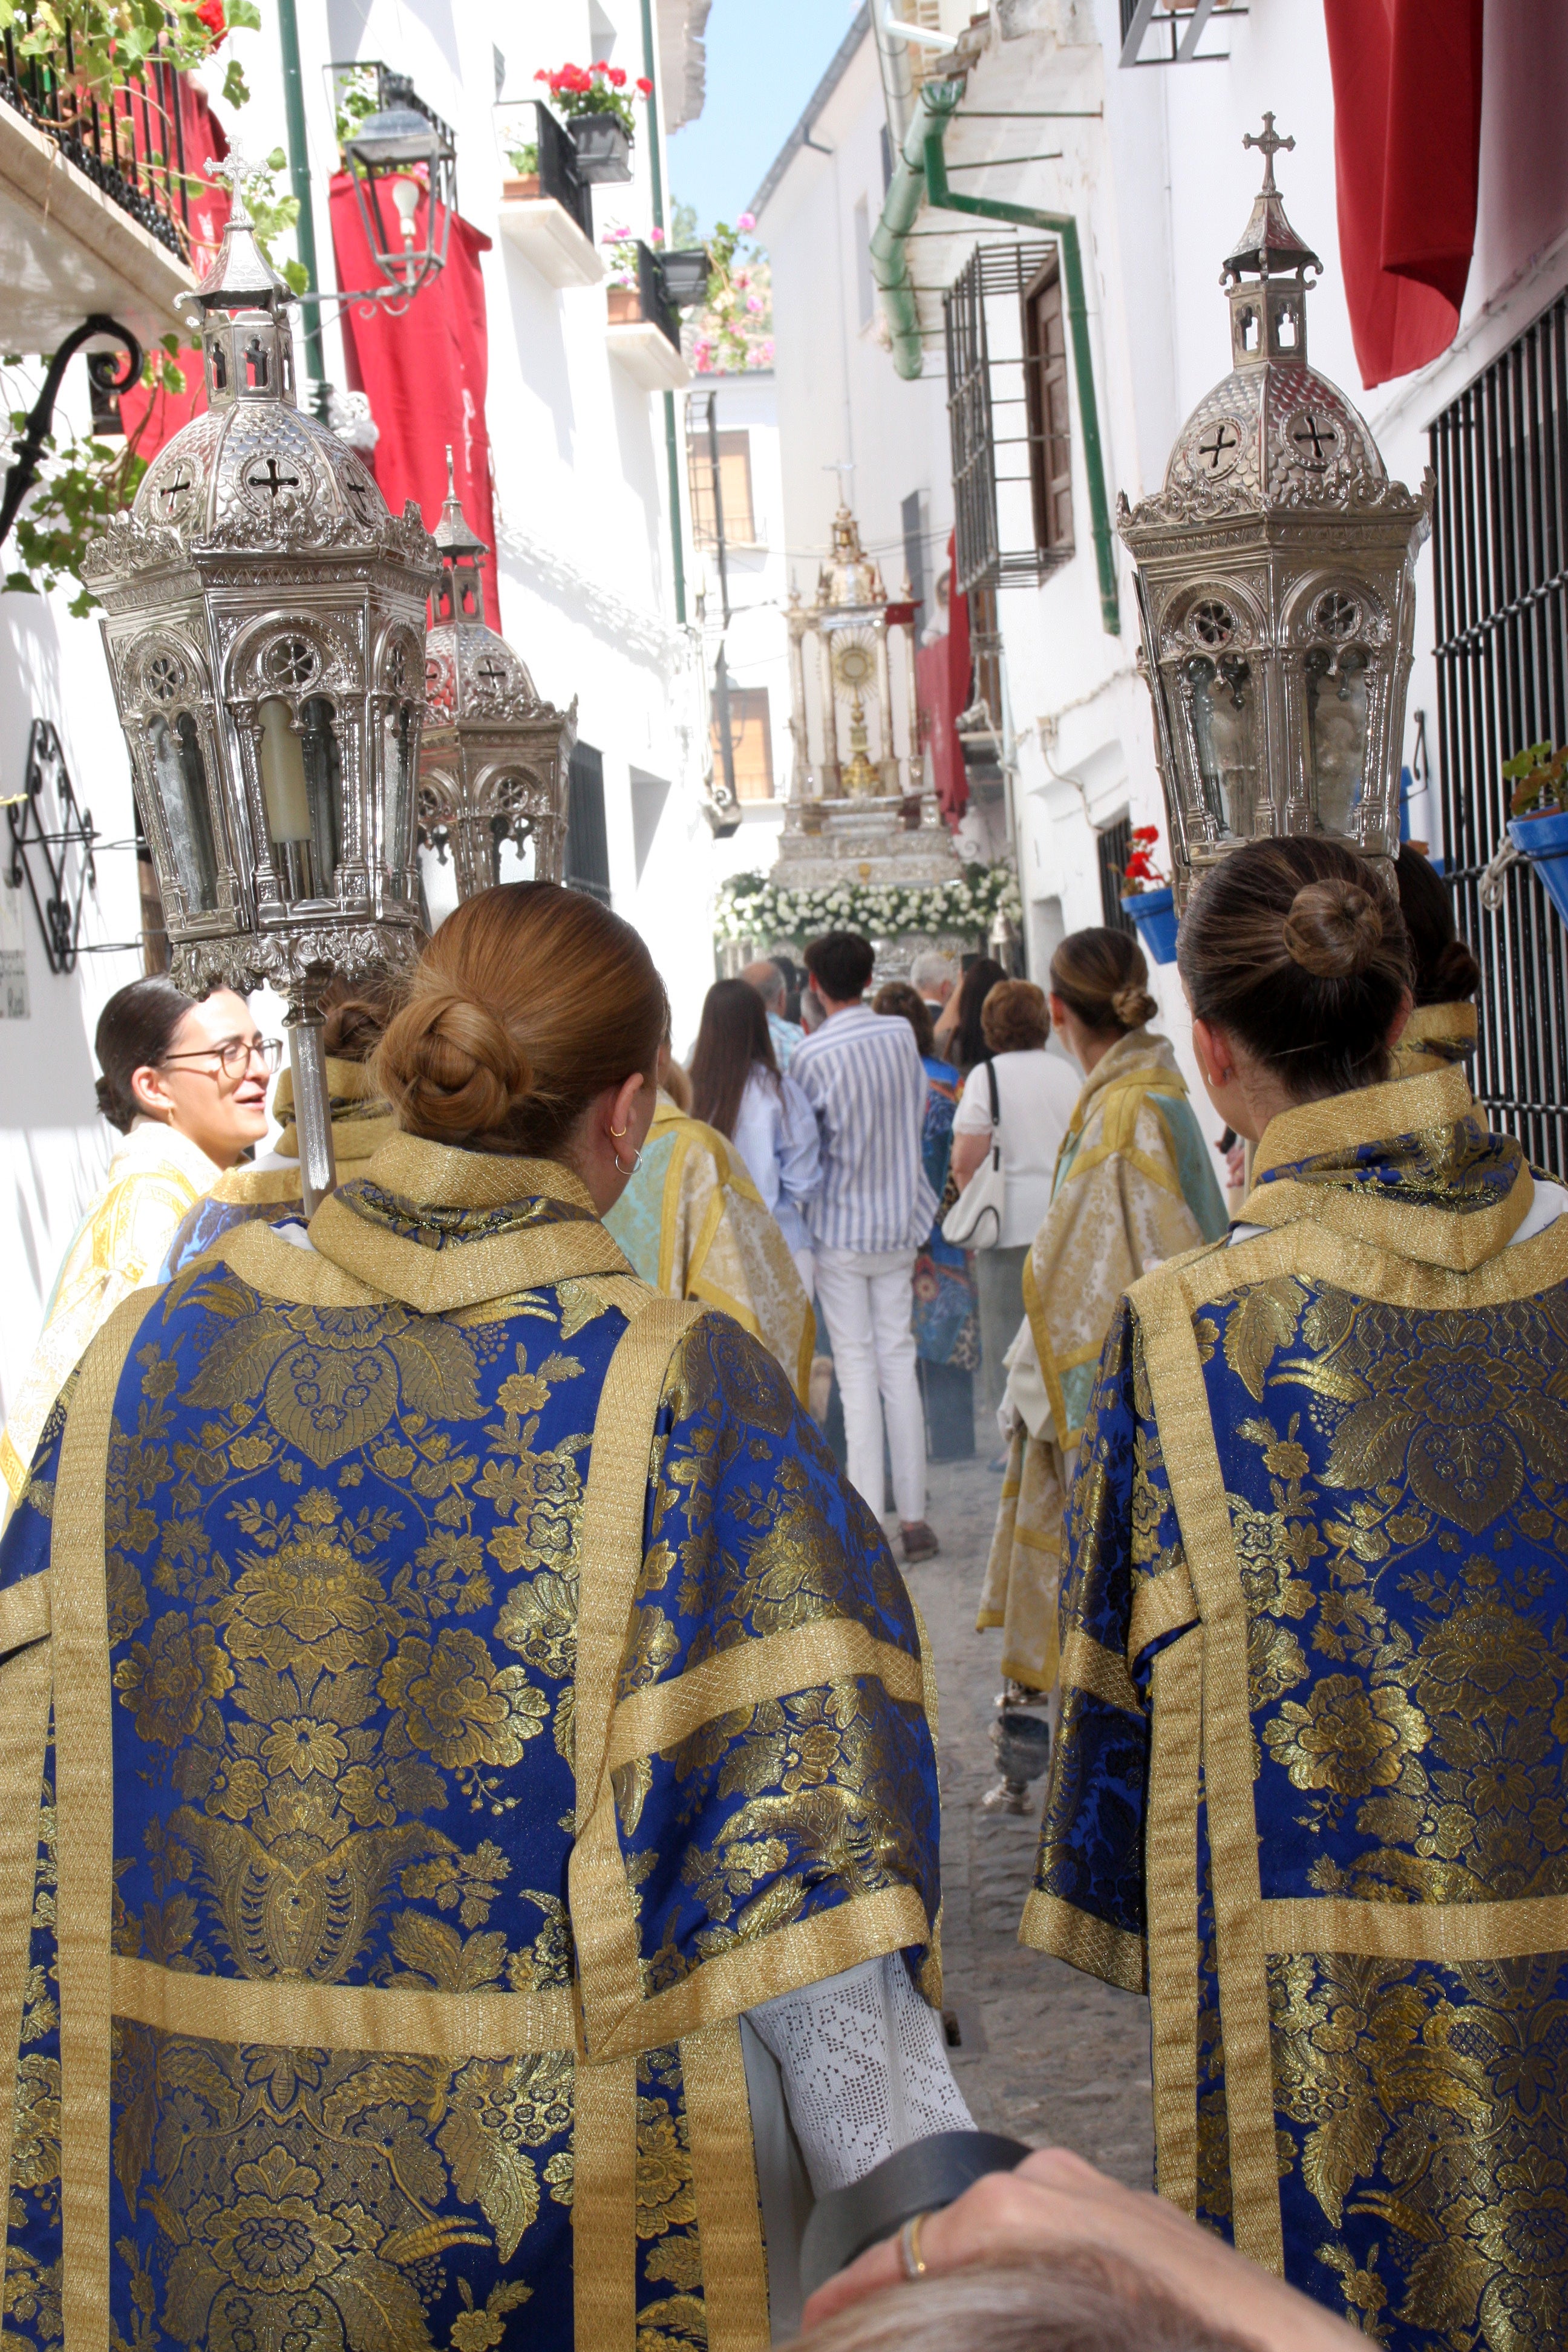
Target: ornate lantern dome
493,754
265,629
1276,571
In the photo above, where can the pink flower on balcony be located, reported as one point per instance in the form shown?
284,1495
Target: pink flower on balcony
746,221
754,304
655,237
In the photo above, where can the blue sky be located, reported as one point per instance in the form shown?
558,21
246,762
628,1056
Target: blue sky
765,59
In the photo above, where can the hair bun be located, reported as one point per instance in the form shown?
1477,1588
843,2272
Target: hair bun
352,1031
451,1066
1132,1004
1454,975
1333,929
114,1105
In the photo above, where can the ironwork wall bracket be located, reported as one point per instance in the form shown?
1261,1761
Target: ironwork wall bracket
59,905
101,367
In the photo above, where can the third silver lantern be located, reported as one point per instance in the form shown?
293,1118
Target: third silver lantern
493,756
1275,581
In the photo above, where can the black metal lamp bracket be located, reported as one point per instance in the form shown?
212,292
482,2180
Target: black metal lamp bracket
59,905
101,366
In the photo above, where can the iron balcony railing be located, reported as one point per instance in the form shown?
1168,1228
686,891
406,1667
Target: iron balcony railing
1501,582
653,297
558,169
130,141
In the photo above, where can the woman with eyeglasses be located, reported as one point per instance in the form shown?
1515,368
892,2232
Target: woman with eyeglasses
185,1085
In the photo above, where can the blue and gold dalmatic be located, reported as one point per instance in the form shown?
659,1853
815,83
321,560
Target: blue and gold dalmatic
480,1688
1313,1782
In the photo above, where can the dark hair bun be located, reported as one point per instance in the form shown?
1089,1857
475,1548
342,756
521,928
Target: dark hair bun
1454,975
459,1071
352,1031
116,1104
1335,929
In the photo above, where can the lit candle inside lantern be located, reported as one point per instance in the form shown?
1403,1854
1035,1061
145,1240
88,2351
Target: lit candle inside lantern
283,774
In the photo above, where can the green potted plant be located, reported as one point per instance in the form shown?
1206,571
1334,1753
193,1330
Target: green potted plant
597,106
1538,820
1148,897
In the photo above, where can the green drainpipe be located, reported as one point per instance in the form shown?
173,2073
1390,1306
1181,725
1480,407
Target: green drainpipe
671,445
300,175
920,174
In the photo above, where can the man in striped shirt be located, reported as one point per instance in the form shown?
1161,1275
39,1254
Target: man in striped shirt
862,1075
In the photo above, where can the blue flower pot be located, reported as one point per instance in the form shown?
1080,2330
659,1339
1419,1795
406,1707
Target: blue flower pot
1544,841
1155,912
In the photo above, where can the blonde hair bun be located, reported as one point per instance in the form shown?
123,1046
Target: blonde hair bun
1132,1006
1335,929
459,1071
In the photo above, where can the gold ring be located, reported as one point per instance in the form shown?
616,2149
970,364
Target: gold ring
913,2260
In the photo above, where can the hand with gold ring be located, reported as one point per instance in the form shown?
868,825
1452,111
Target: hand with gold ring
1055,2205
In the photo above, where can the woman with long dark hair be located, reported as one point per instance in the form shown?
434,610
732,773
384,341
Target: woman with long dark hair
959,1037
1313,1776
185,1086
737,1088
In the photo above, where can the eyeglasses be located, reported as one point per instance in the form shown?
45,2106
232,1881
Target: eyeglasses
235,1057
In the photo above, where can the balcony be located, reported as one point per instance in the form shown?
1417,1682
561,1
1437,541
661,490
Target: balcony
547,213
644,331
93,215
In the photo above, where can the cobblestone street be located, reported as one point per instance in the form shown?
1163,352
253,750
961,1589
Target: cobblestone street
1047,2053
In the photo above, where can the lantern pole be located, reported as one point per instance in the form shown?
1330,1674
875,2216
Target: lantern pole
303,1026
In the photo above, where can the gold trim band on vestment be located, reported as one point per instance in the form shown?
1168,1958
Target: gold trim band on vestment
1418,1106
1313,1254
434,1281
1170,1844
724,2182
25,1688
1052,1925
1191,1456
1088,1665
604,2205
286,2013
1452,1933
651,1721
1161,1604
84,1797
260,1256
25,1609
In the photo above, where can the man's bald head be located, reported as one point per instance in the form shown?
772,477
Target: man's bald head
768,981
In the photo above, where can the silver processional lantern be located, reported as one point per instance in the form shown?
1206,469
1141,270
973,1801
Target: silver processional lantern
492,756
265,629
1275,582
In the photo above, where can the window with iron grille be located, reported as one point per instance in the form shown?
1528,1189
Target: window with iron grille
1500,575
587,843
1005,424
750,742
1049,411
1114,843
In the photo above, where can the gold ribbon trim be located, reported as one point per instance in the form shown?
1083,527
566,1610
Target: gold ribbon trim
1453,1934
1088,1665
84,1794
605,2206
653,1720
24,1683
288,2014
1171,1845
724,2180
25,1613
1050,1925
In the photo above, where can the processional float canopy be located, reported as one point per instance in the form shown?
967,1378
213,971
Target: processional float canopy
493,755
1276,584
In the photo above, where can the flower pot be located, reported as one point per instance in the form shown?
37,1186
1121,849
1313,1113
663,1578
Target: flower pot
686,274
1544,841
625,305
520,191
1155,912
604,148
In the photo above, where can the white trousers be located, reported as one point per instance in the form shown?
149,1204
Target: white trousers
866,1300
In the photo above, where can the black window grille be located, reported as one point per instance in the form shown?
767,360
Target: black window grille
1501,571
1113,843
1000,436
587,843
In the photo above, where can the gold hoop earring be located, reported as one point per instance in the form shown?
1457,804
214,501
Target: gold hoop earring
617,1133
636,1158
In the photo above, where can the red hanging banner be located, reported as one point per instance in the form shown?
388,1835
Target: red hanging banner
942,689
1407,136
424,372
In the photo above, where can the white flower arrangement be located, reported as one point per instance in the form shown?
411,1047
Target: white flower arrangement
750,907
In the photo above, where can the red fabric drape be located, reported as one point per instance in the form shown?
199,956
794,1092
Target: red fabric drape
425,374
152,418
942,690
1407,135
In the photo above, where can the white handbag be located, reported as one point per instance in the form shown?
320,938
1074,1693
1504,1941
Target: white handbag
974,1220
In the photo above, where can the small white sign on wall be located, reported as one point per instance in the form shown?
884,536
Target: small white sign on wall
13,951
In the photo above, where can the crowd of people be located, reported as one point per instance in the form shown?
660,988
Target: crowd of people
472,1834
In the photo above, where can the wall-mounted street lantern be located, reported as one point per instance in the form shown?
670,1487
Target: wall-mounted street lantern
1276,584
402,160
493,756
265,629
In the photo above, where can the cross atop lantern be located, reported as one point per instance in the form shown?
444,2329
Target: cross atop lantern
265,629
493,756
1275,582
856,735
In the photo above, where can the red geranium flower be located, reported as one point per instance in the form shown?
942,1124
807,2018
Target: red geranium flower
617,79
1145,833
210,14
645,87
